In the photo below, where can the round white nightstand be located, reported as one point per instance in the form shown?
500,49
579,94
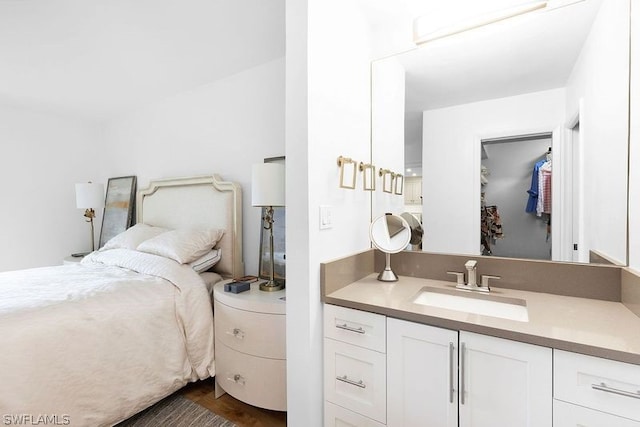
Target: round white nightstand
250,346
72,260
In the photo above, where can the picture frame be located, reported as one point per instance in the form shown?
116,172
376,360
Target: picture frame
119,207
279,247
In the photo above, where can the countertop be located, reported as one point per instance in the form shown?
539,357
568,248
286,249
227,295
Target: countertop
588,326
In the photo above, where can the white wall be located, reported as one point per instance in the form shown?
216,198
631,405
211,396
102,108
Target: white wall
327,115
43,156
223,127
451,161
601,79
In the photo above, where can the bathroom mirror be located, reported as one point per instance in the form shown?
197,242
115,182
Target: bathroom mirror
559,77
390,234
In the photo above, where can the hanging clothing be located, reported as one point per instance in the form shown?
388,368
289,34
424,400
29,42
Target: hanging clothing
532,203
490,227
545,191
540,191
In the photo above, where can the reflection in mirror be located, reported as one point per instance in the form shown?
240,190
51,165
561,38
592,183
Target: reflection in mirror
398,184
368,176
514,92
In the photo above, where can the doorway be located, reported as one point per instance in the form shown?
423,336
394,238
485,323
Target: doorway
512,170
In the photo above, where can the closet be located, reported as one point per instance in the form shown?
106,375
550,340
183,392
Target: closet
512,223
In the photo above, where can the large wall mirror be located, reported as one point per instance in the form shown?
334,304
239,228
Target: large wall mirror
513,136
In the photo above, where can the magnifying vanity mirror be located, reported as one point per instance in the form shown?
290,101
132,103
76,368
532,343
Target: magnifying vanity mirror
390,234
474,116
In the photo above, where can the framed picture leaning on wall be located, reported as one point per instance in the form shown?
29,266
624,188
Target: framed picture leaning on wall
119,207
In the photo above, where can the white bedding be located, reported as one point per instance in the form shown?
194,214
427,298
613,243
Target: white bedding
99,341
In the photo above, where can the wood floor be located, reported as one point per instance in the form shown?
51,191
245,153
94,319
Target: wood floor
241,414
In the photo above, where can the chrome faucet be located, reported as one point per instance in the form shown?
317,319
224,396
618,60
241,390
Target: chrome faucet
472,278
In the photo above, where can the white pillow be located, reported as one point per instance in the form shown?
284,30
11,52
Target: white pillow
133,236
206,261
184,245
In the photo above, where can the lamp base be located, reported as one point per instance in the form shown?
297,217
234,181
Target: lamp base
271,286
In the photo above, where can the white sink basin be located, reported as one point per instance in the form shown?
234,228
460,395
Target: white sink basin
472,302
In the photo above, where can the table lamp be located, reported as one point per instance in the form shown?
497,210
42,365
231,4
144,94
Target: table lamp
268,190
90,197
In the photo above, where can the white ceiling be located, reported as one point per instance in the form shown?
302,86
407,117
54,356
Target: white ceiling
96,58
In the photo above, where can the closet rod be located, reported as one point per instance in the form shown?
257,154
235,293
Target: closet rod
517,138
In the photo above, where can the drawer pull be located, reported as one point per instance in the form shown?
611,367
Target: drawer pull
237,333
237,378
345,379
346,327
606,388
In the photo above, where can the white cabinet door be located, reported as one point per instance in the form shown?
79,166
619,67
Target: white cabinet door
504,383
422,375
568,415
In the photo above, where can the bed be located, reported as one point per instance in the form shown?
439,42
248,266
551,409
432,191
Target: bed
96,342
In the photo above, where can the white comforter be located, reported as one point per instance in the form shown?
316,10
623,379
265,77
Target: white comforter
93,343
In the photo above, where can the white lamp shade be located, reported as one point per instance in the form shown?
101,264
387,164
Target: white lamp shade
267,184
89,196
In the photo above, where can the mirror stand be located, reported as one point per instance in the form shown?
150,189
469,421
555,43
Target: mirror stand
387,275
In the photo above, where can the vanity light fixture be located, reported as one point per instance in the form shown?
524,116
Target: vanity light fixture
90,197
347,172
424,32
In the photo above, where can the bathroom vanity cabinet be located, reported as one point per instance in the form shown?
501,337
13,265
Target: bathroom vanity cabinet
413,379
434,374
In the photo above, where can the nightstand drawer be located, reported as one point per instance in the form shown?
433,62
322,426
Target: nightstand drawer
355,378
356,327
255,380
249,332
601,384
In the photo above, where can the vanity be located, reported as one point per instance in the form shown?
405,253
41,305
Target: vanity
392,360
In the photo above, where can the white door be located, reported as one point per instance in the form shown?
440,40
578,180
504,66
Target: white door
504,383
422,375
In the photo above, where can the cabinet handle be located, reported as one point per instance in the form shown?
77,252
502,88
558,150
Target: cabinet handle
237,333
606,388
462,386
346,327
451,387
345,379
237,378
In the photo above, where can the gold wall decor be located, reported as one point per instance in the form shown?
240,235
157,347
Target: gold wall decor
368,176
387,180
347,172
399,184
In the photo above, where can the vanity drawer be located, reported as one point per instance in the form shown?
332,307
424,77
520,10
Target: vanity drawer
337,416
256,380
601,384
356,327
355,378
258,334
568,415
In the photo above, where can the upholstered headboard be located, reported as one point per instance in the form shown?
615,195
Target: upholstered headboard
200,201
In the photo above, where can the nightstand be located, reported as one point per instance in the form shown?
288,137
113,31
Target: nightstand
72,260
250,346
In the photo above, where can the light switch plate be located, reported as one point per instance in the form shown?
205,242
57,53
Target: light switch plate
326,217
